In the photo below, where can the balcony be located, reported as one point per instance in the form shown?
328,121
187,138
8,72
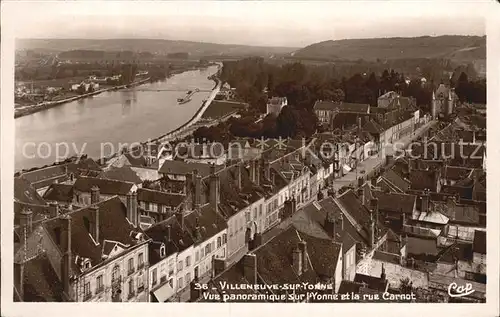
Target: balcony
99,289
140,289
131,271
87,296
116,283
163,279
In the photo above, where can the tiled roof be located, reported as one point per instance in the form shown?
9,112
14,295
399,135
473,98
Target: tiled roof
124,174
106,186
373,127
424,179
210,222
416,245
25,193
184,168
198,151
179,239
395,179
373,282
41,283
59,192
479,244
343,106
113,225
395,202
456,172
83,165
40,178
158,197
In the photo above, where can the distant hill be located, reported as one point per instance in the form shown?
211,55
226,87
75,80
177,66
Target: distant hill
194,49
453,47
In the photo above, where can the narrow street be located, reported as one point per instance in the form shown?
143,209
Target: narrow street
373,162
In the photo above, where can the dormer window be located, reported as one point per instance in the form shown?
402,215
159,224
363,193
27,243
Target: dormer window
162,251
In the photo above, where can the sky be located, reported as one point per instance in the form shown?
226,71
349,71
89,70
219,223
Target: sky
266,23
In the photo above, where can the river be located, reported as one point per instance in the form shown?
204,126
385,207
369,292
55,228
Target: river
97,125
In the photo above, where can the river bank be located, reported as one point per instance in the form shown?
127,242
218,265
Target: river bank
49,104
27,110
114,111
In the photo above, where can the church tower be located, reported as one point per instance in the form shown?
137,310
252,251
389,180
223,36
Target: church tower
434,106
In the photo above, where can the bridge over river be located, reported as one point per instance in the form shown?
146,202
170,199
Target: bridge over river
160,90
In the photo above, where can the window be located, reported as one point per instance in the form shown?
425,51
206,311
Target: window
179,266
219,242
100,285
254,213
131,287
188,261
86,290
213,246
130,265
147,206
180,284
202,250
197,256
247,216
140,283
154,276
115,275
188,278
224,238
207,249
141,260
260,210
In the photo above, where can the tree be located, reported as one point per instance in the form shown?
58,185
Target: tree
405,286
81,89
462,87
286,123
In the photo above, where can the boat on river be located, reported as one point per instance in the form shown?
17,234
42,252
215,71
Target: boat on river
188,96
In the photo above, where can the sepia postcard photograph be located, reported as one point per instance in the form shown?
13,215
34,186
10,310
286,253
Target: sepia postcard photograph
216,157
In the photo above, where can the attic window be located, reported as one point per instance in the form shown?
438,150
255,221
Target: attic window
162,251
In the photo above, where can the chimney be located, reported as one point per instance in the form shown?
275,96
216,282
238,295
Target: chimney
169,233
372,230
19,279
95,195
361,195
250,268
94,222
214,187
267,169
382,274
26,222
303,249
424,200
238,176
132,208
53,209
360,181
297,260
196,177
330,224
374,207
179,215
66,254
